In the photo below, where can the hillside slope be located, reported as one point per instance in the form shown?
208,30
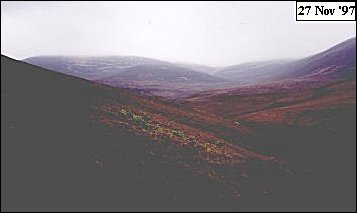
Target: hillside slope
69,144
309,121
338,62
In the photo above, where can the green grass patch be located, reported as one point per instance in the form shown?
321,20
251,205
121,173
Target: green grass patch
178,133
139,120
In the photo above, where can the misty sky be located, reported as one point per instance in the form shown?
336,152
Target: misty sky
209,33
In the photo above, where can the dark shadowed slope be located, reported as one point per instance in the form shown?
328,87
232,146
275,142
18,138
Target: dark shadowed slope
69,144
48,151
337,62
53,157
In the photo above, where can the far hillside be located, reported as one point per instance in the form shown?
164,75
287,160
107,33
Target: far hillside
338,62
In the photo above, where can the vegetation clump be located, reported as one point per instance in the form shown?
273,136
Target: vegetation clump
139,120
178,133
157,129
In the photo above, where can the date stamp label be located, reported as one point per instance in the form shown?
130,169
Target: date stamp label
325,11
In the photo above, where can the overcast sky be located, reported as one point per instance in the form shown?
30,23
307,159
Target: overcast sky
209,33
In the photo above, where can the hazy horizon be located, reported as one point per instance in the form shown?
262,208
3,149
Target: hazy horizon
205,33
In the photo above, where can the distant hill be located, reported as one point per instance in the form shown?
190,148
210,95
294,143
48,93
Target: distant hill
91,68
161,73
198,68
253,71
144,74
177,80
338,62
128,68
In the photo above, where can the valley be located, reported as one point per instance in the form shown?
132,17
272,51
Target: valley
131,133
